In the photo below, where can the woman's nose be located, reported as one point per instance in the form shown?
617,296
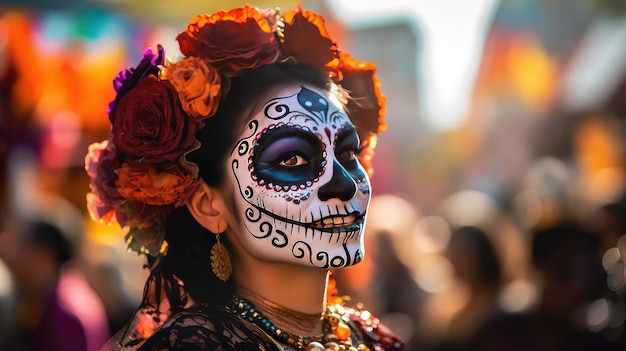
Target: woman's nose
340,186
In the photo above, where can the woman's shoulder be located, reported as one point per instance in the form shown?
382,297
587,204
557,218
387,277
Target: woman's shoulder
370,329
198,329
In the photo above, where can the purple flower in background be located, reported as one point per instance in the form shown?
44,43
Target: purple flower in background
128,78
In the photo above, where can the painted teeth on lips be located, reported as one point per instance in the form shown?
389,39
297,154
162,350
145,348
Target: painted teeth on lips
335,221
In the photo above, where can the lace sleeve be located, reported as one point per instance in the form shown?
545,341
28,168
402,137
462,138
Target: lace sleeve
193,330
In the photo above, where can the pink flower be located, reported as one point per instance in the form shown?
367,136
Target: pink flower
100,163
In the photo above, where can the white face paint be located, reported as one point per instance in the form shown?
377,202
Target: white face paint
302,193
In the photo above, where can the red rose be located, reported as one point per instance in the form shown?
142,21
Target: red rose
219,38
150,123
128,78
307,40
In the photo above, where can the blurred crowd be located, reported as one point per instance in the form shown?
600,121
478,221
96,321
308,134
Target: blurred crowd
507,233
491,281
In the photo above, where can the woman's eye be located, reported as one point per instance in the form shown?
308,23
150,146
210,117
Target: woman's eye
295,160
349,155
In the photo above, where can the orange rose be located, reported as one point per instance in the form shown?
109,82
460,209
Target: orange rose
307,40
198,85
219,39
152,186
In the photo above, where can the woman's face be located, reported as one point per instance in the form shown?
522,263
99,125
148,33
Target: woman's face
300,193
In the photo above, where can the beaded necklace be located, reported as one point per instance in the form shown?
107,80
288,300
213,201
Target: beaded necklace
281,316
335,336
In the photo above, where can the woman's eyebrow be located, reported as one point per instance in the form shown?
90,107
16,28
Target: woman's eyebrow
346,130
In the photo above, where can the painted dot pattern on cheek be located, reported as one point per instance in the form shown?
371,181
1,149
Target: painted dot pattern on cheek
296,198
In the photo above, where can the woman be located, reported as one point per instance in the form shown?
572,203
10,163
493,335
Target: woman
236,170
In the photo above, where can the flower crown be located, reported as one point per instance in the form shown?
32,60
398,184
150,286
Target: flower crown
140,174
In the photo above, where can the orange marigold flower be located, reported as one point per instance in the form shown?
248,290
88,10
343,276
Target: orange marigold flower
366,107
218,38
198,85
307,40
151,185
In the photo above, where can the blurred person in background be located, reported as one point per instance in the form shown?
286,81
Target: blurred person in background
54,308
570,279
476,265
609,221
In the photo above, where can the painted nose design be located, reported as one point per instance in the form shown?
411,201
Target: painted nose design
340,186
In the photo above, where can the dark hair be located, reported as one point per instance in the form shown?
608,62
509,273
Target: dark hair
186,269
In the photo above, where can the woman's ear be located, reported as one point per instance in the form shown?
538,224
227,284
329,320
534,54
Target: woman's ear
207,207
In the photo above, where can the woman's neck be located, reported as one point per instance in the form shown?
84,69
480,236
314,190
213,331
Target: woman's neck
284,318
292,297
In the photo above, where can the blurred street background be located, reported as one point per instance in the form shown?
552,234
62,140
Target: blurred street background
499,192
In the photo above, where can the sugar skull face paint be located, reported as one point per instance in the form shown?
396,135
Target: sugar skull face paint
302,194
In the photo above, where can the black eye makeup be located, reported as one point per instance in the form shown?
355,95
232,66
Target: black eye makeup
288,155
348,147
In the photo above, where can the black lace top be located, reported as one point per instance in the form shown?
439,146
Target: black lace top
195,329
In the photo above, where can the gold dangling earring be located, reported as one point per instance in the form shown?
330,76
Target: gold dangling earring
220,260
